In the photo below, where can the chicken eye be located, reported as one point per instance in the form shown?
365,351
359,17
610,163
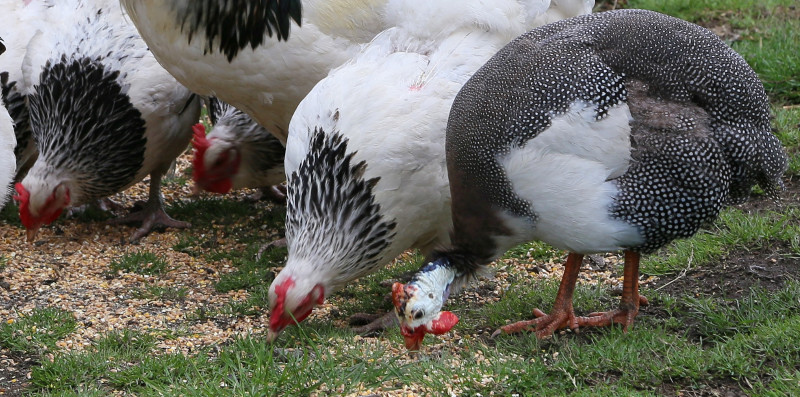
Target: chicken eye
418,315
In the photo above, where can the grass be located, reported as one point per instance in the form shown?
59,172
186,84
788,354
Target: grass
142,262
37,331
690,343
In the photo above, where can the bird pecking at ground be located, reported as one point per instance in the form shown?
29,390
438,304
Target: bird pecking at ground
103,112
621,130
365,157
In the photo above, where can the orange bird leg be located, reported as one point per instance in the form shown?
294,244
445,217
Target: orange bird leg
562,314
629,304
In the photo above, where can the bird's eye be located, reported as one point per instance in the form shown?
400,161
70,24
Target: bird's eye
418,315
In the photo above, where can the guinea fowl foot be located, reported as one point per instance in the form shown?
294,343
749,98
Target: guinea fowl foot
150,218
623,315
373,323
544,324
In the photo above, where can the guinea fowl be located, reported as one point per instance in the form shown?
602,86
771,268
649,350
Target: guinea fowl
103,112
621,130
365,156
237,153
15,20
219,48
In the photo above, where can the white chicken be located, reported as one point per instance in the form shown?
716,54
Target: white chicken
365,159
237,153
16,20
218,48
103,112
7,159
7,143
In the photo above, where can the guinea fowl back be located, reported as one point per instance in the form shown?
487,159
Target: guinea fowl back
671,60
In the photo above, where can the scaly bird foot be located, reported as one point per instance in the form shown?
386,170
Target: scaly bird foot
374,322
150,218
622,315
544,325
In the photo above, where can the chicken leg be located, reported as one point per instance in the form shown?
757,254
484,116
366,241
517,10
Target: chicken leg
153,214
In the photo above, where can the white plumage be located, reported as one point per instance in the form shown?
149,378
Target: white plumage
267,81
7,159
17,25
389,105
104,113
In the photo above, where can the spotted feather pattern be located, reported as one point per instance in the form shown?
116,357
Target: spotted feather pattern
87,125
710,143
229,26
331,211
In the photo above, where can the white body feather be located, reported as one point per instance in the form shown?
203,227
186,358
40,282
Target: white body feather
573,160
17,26
392,102
7,159
269,81
161,100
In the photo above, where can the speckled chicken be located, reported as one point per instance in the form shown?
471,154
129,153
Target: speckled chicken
622,130
237,153
103,112
365,157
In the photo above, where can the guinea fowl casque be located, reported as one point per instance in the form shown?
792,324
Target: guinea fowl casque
365,157
103,112
220,47
622,130
237,153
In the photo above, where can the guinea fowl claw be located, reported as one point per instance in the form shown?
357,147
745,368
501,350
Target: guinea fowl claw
376,322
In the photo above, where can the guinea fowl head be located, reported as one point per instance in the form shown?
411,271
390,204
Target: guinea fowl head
214,164
41,207
418,304
291,300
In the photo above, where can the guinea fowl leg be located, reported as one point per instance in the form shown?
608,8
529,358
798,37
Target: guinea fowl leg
562,314
374,322
153,214
629,303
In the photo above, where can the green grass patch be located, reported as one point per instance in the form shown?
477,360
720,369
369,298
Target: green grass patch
37,331
734,229
142,262
155,292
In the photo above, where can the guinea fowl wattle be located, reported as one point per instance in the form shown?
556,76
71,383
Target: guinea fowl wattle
622,130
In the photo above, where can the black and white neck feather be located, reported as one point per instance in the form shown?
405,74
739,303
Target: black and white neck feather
332,213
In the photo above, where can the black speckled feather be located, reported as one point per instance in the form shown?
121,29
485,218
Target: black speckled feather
87,125
18,109
233,25
711,146
327,194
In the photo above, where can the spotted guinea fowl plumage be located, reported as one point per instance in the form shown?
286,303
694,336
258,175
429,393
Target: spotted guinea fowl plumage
618,130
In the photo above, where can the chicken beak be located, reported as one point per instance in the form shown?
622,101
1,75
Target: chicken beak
272,336
31,234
